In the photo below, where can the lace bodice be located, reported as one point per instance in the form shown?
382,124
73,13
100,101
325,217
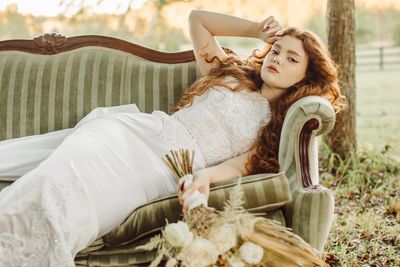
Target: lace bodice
224,123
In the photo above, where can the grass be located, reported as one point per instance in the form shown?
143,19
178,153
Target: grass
378,110
366,185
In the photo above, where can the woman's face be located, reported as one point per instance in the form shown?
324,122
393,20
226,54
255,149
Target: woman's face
285,64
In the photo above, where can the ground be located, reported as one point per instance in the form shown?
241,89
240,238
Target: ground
366,229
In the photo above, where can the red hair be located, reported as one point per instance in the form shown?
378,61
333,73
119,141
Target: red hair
321,79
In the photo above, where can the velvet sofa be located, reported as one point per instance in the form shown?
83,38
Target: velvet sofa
51,82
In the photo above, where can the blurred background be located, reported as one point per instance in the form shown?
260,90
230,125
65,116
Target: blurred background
162,25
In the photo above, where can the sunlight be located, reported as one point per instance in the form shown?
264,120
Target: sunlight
53,8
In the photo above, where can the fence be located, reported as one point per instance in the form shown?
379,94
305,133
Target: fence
379,58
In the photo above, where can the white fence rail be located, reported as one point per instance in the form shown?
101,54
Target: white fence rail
379,58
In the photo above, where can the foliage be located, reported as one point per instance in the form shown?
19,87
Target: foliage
13,23
366,185
396,33
366,230
318,25
378,110
365,25
152,26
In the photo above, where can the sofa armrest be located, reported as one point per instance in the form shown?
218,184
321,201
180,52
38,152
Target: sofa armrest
310,214
306,119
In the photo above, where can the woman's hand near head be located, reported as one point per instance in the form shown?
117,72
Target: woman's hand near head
269,30
205,25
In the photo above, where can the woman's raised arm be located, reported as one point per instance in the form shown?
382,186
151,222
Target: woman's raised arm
205,25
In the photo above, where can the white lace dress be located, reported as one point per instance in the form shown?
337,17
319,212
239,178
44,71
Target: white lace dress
78,184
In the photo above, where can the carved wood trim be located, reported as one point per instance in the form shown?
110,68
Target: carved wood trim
305,138
54,43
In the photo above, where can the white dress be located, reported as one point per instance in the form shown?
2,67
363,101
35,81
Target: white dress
78,184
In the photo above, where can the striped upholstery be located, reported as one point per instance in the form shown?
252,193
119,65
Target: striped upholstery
262,192
310,214
129,255
42,93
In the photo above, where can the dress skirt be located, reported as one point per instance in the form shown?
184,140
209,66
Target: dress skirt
78,184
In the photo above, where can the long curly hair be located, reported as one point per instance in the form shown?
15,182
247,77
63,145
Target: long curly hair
321,79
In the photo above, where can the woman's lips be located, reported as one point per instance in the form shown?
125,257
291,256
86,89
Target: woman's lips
272,69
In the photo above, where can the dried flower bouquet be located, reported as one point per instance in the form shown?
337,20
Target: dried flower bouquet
231,237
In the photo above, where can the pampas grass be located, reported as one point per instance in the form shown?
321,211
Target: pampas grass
280,245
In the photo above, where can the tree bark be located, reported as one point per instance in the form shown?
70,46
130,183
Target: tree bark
341,43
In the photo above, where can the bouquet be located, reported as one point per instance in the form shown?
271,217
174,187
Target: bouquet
231,237
180,163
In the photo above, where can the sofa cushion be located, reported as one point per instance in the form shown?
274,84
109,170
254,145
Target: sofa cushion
262,193
5,182
44,93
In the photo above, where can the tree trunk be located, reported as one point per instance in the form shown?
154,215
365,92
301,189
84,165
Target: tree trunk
341,43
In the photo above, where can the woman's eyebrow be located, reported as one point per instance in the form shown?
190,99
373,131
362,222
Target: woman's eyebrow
277,45
294,53
289,51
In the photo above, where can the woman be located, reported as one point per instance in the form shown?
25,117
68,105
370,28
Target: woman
110,163
294,66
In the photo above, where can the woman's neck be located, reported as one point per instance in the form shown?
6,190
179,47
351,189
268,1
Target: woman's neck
270,93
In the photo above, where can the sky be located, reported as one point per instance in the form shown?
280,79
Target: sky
53,8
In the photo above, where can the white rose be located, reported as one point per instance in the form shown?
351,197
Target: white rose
178,234
224,236
251,253
200,253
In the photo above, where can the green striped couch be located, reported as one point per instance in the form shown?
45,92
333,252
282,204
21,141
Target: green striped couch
51,82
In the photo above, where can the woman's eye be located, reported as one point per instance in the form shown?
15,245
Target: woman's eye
292,59
274,52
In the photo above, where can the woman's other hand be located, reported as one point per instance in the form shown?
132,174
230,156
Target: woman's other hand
268,29
201,183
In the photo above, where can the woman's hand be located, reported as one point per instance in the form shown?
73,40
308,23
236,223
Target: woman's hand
201,183
268,29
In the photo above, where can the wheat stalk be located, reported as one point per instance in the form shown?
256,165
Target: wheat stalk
180,162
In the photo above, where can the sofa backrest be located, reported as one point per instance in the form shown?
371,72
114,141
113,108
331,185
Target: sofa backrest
51,82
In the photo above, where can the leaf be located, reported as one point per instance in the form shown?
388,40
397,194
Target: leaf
235,201
157,260
152,244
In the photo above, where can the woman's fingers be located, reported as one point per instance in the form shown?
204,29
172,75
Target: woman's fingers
270,27
267,22
271,32
271,35
201,184
193,200
273,25
189,195
280,32
180,193
196,185
184,207
180,198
